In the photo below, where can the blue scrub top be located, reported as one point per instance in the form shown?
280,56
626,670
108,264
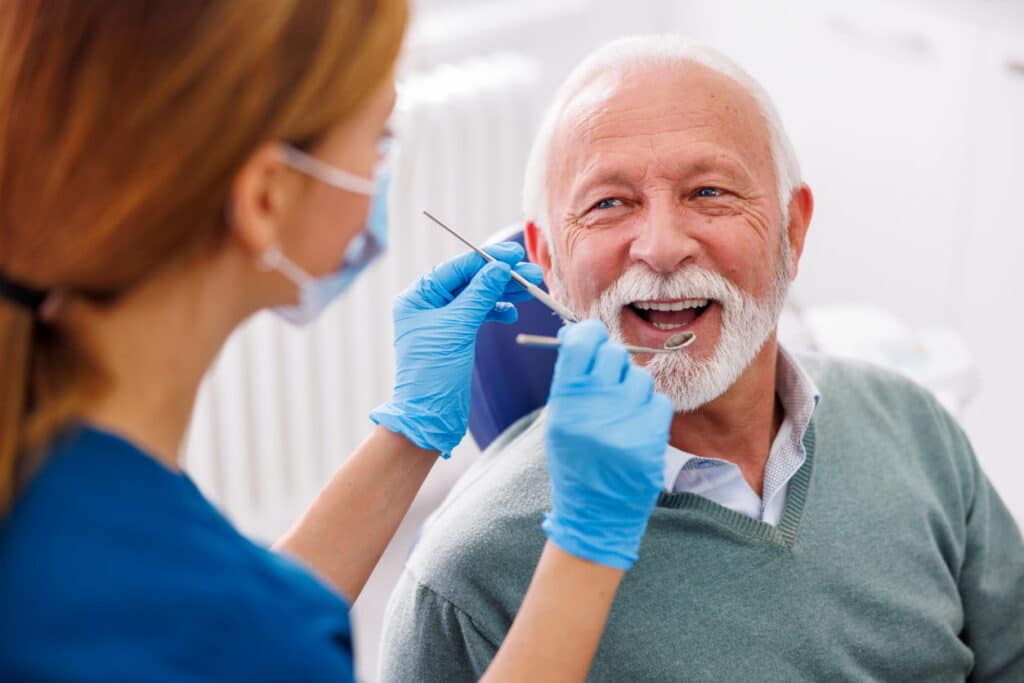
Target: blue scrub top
114,568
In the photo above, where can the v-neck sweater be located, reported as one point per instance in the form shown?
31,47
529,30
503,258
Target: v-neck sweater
894,560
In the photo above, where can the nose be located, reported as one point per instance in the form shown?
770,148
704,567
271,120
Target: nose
662,241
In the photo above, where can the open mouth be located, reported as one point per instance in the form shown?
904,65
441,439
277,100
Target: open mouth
670,316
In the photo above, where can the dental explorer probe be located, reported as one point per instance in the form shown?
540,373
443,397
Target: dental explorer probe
673,343
552,342
533,289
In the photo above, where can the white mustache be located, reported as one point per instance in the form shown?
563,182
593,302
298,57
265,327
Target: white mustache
640,284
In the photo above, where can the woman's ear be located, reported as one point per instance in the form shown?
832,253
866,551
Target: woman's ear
262,195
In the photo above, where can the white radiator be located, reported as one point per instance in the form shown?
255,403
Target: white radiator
282,407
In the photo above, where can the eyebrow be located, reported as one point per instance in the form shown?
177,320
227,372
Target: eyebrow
601,178
720,162
608,177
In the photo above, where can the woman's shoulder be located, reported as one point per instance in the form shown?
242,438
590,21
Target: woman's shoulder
106,551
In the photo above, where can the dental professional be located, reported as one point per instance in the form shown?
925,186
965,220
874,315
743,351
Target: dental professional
167,169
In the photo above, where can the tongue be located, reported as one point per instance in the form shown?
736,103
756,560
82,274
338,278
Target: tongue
674,318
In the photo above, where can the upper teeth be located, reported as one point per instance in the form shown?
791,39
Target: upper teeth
672,306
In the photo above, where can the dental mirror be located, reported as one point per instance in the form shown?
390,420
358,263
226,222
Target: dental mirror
681,340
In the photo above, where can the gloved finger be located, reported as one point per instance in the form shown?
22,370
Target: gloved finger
455,273
610,362
515,291
439,287
478,298
638,385
579,346
509,252
663,410
531,271
503,312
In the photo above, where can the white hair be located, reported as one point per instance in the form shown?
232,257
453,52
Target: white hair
654,51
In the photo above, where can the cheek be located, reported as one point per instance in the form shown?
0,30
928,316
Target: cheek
331,219
743,257
597,261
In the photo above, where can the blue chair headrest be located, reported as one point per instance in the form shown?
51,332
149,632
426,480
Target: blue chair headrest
509,380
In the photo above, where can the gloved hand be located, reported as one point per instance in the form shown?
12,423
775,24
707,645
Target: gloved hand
607,432
436,321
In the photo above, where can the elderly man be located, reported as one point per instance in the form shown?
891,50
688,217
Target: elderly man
821,520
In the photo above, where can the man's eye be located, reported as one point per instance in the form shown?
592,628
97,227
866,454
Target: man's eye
608,203
709,192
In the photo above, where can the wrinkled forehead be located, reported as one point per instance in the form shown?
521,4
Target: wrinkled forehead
670,112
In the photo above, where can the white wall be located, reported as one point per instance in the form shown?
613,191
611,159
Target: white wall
991,280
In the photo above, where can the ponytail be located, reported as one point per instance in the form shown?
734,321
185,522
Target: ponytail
46,381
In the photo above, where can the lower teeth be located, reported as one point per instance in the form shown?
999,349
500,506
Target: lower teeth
667,326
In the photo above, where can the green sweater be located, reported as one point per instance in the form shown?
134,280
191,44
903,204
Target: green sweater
895,560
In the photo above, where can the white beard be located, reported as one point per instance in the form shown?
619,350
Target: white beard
747,323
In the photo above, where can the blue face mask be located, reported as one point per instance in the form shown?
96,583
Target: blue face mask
316,293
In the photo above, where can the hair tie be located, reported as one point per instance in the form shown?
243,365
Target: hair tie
22,295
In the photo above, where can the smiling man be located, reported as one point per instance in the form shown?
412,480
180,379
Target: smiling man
855,539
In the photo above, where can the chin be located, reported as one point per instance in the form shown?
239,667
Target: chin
691,383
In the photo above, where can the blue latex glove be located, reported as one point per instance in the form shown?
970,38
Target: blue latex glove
436,321
607,432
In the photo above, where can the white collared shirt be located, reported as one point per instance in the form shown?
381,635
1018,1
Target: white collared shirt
722,481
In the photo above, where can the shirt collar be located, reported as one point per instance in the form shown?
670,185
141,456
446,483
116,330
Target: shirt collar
799,396
795,388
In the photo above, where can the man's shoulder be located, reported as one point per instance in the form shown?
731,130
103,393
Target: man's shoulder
832,370
488,528
862,403
847,384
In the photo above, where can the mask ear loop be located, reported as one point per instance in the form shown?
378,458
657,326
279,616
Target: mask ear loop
343,180
274,259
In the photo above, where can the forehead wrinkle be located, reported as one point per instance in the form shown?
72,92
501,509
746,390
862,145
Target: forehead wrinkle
717,160
659,132
599,171
629,166
635,122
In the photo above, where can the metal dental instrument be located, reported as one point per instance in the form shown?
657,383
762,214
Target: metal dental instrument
533,289
673,343
552,342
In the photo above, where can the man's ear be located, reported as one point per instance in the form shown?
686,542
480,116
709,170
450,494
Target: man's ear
801,208
261,195
537,248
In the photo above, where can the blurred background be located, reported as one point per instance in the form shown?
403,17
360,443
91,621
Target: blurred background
908,118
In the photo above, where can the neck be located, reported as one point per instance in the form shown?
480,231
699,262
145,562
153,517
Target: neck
157,343
740,425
